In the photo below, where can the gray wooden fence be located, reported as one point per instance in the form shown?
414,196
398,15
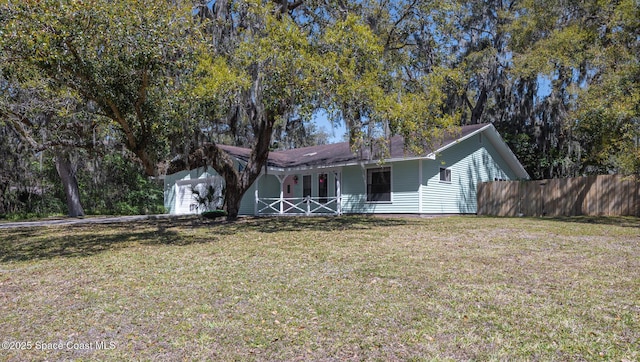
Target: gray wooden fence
604,195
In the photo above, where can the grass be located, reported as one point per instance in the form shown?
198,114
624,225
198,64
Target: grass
348,288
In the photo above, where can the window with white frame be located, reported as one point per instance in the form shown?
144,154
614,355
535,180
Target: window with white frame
379,184
445,174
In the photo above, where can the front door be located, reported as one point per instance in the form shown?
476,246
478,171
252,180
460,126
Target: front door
323,188
288,186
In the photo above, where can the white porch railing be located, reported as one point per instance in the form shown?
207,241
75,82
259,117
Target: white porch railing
298,206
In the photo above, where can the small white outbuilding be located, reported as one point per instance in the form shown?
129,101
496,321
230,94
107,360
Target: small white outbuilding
192,192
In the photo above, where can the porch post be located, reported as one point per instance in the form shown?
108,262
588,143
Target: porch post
420,187
255,204
337,175
281,179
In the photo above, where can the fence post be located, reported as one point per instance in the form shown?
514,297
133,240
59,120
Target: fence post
479,199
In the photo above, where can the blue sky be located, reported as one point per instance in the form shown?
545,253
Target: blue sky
336,132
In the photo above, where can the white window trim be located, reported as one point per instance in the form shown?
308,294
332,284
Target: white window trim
366,172
450,175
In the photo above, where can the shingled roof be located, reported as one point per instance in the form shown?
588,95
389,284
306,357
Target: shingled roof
341,153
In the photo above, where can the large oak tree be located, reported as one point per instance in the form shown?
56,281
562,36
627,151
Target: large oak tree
267,62
123,56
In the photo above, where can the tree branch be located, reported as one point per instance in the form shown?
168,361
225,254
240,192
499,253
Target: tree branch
17,122
142,97
396,24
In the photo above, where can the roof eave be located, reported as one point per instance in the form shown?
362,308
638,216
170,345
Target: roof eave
459,140
491,132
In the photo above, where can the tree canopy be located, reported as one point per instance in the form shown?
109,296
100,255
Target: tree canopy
123,57
173,79
268,63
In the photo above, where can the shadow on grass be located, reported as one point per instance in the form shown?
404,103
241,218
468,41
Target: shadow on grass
79,240
89,239
623,221
302,224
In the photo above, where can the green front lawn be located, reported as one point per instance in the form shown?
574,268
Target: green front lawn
347,288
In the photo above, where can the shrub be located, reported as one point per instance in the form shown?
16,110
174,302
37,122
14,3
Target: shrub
214,214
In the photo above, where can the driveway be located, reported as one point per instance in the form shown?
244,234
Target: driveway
82,220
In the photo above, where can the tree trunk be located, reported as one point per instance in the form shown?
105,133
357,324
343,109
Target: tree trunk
4,188
476,112
69,183
233,198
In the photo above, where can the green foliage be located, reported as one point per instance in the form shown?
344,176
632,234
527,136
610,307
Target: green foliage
115,184
376,80
123,56
109,185
218,80
26,190
589,51
608,110
269,61
213,214
421,117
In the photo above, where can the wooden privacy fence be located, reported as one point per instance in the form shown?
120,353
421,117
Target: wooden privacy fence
604,195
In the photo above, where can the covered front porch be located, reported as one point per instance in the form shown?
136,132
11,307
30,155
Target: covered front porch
298,193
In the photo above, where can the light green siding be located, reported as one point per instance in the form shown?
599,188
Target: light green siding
406,182
404,189
471,162
268,187
354,191
248,200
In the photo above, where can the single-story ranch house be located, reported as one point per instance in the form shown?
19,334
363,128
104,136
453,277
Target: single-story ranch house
332,179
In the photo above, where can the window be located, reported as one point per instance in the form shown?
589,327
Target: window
379,184
322,187
445,175
306,185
